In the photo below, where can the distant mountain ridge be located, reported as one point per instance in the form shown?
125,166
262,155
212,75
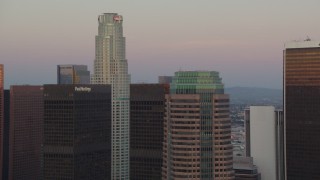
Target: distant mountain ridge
254,95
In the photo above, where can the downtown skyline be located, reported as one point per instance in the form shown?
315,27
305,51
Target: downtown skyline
242,40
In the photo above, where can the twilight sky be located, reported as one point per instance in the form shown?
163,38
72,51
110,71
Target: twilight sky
243,40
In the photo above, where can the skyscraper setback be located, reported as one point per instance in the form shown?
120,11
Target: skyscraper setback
197,128
110,67
301,109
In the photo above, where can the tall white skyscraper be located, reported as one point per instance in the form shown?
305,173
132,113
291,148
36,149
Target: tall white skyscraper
111,67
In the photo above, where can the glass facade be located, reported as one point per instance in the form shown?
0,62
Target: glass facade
77,132
1,117
26,120
301,108
6,131
73,74
146,130
195,82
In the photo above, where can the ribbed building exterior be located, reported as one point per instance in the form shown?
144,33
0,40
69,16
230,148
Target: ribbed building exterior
111,67
197,128
264,127
147,103
1,118
77,132
73,74
25,137
301,109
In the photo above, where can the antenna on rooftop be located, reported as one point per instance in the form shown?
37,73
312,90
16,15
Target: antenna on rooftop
308,39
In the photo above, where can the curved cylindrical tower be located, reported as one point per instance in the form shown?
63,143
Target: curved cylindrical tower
111,67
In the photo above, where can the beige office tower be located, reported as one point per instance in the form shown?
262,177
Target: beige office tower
111,67
197,128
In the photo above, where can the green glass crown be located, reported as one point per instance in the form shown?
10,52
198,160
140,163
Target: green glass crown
196,82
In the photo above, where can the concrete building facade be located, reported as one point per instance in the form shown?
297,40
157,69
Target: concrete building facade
197,128
265,140
244,169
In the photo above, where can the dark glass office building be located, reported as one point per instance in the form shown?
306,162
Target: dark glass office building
73,74
146,130
25,137
77,132
1,118
302,109
6,130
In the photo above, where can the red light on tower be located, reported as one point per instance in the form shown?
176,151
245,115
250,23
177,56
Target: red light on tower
117,18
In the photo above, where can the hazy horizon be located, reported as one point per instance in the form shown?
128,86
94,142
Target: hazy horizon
243,40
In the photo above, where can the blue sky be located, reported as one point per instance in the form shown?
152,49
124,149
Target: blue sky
243,40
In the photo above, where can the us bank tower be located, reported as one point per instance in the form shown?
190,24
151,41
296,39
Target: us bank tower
111,67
